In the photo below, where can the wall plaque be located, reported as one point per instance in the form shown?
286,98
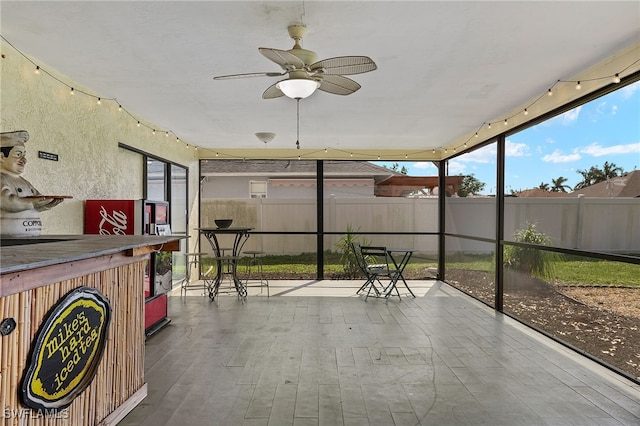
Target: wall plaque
67,350
47,156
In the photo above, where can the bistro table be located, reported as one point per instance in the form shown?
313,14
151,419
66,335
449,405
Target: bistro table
225,264
400,258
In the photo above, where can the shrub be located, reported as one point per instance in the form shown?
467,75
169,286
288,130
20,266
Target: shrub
347,256
533,261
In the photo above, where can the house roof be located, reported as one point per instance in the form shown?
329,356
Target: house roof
627,185
540,193
295,168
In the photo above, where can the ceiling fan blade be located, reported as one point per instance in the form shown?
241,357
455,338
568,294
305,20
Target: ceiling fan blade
286,60
344,65
272,92
338,85
249,74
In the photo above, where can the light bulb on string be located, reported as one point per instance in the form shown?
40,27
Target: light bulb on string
526,111
37,71
505,122
119,107
488,125
616,78
578,86
549,92
99,102
71,92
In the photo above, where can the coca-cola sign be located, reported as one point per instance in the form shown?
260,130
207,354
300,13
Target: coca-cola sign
110,217
114,223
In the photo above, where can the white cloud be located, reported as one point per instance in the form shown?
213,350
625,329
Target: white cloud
424,165
558,157
614,109
630,90
571,115
456,168
601,108
512,149
486,154
598,150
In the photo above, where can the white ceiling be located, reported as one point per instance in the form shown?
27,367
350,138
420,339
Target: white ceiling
444,68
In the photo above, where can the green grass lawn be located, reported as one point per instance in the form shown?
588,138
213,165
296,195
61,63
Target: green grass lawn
584,271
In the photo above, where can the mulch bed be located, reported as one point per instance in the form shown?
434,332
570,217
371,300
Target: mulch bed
608,329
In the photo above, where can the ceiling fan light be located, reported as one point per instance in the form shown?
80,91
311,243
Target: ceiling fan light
298,88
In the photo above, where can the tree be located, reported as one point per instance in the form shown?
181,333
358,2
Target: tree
470,185
396,168
544,186
559,185
595,174
611,170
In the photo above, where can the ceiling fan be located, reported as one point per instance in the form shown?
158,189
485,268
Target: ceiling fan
306,73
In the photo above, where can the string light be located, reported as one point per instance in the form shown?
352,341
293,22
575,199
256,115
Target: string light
72,90
578,85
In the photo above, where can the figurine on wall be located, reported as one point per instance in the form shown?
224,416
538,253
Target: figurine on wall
20,202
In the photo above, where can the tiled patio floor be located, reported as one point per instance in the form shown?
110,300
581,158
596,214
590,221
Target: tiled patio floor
315,354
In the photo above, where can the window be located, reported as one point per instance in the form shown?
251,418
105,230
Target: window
258,189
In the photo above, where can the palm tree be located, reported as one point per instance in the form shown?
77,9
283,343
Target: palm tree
559,185
611,170
595,175
544,186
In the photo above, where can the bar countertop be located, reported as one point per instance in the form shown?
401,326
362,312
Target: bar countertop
21,254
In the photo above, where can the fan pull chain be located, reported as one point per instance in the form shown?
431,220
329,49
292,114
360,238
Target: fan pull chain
298,123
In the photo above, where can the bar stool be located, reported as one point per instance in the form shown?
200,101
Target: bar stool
192,260
256,262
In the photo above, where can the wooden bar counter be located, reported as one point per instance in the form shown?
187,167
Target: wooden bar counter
35,276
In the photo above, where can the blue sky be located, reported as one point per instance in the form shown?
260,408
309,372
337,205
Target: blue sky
606,129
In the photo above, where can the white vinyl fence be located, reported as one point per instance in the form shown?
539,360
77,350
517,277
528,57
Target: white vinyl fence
596,224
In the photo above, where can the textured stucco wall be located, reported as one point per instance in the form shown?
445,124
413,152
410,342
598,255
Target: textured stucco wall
85,137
